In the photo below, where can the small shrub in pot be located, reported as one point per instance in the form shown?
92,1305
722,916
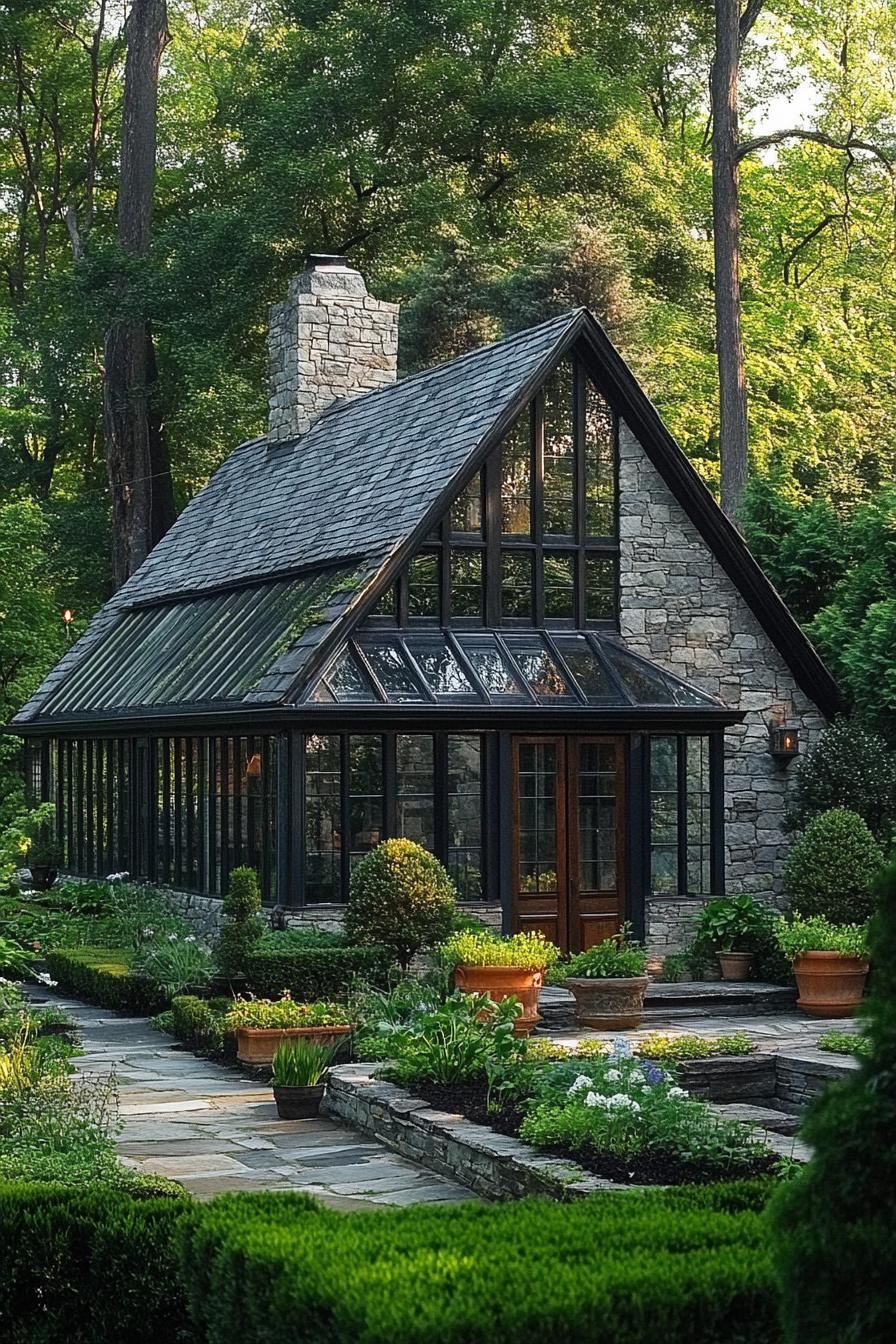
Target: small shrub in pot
830,868
830,962
400,897
485,963
608,982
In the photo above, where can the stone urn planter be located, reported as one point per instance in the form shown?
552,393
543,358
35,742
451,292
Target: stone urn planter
298,1103
256,1045
499,982
830,984
608,1004
735,965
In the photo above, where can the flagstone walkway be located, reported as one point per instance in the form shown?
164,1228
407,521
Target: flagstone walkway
214,1131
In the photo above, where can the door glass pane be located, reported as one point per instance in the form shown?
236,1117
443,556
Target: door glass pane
323,825
597,816
393,672
664,814
466,511
414,788
493,668
559,454
365,804
466,584
698,816
540,669
444,674
590,674
600,484
423,586
516,585
537,801
516,479
600,588
559,586
465,815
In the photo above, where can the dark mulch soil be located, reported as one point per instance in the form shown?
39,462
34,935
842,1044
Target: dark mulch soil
469,1100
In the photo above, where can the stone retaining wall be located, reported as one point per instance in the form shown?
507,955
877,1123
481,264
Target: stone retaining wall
799,1078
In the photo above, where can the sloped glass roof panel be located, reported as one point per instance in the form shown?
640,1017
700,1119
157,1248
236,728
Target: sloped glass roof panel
441,670
647,684
197,650
393,670
347,682
590,674
540,669
493,667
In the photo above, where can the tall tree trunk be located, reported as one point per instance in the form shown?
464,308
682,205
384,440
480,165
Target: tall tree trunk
726,246
137,458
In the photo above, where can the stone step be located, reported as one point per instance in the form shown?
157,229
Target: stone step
694,998
764,1117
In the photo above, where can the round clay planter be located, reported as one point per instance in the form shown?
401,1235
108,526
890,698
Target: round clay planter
257,1045
499,982
608,1005
830,984
736,965
298,1103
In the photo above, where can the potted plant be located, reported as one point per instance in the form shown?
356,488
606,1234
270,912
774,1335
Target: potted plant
44,858
299,1077
830,962
731,926
608,983
485,963
262,1024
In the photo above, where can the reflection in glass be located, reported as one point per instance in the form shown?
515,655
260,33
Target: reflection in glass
414,788
645,684
465,815
516,479
348,682
537,802
423,585
539,668
466,511
365,803
323,838
590,674
559,454
699,836
443,673
664,815
516,585
559,586
466,584
387,607
597,816
393,672
600,587
600,484
493,669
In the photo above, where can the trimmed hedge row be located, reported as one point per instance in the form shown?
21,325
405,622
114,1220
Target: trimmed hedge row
102,975
91,1267
313,973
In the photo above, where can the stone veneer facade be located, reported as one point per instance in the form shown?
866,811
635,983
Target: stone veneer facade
327,340
679,608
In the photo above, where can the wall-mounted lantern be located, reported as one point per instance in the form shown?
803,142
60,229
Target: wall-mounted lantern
784,741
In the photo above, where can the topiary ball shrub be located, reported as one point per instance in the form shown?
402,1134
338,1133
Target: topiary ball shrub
242,927
850,767
835,1223
401,898
830,868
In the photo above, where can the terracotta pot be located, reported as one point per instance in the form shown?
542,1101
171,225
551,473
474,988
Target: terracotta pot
499,982
298,1103
736,965
257,1045
830,984
608,1005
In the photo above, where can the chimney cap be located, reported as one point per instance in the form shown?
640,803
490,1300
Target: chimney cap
316,259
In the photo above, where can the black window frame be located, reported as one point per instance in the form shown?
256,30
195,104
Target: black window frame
716,792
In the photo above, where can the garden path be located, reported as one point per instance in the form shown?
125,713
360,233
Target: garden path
214,1131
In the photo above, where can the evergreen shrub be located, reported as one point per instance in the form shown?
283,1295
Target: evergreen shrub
242,928
102,975
830,868
312,973
850,767
401,898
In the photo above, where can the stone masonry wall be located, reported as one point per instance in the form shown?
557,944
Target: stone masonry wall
327,340
679,608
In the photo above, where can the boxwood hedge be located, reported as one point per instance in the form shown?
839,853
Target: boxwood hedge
102,975
312,973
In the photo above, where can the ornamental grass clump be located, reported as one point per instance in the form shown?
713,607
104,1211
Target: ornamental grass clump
302,1063
401,898
830,868
526,951
281,1013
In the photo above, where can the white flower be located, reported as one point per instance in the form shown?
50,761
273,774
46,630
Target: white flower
44,979
612,1075
582,1081
621,1048
190,938
172,937
620,1102
676,1092
595,1099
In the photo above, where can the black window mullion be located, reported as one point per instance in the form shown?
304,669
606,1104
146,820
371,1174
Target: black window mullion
492,525
344,814
211,811
580,503
717,813
681,755
445,571
390,785
440,795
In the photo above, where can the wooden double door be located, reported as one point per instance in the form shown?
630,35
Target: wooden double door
568,852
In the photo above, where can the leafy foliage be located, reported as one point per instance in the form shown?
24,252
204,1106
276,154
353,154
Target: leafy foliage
528,951
818,934
285,1012
849,767
830,868
732,923
242,928
400,897
845,1043
301,1063
612,959
468,1036
175,964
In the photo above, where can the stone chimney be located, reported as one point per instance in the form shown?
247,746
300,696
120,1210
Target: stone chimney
327,340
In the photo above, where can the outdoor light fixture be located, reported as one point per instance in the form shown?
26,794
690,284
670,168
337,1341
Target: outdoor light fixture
67,617
784,741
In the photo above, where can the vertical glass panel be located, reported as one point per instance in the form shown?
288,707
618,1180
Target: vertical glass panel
537,801
589,672
466,511
347,682
597,816
559,455
516,585
365,802
540,669
466,584
443,673
323,820
516,479
699,833
465,815
493,668
600,588
559,572
393,672
387,607
664,815
600,469
414,788
423,586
